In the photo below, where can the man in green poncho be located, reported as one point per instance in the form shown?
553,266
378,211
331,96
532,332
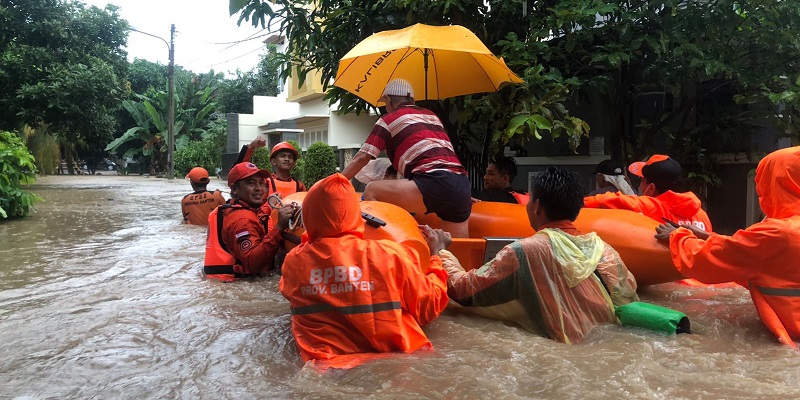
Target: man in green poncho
559,283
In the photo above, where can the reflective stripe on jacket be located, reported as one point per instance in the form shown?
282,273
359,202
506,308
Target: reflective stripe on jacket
763,256
352,297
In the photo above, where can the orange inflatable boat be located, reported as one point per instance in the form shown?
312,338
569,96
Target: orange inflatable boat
493,225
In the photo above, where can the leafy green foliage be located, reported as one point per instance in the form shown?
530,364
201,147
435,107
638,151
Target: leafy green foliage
17,168
45,149
206,153
194,105
60,65
320,162
692,78
261,158
236,95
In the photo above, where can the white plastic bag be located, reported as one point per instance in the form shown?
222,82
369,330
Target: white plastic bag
375,170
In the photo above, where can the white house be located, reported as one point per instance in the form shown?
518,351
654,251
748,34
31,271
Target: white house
298,114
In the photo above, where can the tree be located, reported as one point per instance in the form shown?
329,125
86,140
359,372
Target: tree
236,95
17,168
690,77
317,37
61,65
194,107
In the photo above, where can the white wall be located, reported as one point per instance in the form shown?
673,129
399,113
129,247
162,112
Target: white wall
314,107
266,109
349,131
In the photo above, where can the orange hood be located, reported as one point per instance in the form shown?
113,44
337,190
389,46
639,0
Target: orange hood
778,183
330,209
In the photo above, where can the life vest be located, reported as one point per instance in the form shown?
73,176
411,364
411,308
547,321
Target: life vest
285,188
219,263
521,198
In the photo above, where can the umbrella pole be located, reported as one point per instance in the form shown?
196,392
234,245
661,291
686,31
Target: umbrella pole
425,60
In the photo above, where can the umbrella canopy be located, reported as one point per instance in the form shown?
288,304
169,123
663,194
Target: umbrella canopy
438,61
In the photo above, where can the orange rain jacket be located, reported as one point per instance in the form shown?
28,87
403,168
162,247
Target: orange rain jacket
683,208
764,256
551,283
350,295
196,206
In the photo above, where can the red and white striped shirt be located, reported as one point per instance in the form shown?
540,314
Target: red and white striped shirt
415,141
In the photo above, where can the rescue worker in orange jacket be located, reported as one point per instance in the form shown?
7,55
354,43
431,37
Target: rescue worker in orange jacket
661,195
763,257
558,283
349,295
283,158
238,244
196,206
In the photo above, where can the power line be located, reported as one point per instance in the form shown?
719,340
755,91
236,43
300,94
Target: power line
235,58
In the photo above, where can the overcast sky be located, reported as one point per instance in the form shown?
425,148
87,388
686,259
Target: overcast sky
204,33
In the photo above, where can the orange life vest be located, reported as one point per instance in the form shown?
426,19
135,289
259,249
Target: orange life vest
285,188
219,262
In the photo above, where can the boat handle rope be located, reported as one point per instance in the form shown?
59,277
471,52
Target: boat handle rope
274,201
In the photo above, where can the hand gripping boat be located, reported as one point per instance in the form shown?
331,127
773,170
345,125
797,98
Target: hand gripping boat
493,225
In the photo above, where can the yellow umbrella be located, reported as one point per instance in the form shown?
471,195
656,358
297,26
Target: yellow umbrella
438,61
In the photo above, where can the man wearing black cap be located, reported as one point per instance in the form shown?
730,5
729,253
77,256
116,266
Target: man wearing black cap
610,178
661,194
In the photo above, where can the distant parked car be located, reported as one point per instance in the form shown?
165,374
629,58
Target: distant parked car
104,165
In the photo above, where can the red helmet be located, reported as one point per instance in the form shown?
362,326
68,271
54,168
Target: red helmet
283,146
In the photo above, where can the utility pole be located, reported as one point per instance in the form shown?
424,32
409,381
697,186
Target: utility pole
171,117
171,89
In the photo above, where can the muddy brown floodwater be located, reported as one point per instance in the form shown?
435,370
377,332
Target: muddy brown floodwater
102,296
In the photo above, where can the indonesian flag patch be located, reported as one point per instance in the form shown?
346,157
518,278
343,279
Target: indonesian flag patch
243,238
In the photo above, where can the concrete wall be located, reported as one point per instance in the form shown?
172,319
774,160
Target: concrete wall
349,130
266,109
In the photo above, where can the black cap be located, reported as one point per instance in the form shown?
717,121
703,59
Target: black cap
608,167
665,174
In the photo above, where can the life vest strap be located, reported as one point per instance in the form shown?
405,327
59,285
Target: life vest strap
219,269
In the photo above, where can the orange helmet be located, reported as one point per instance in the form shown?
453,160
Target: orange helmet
283,146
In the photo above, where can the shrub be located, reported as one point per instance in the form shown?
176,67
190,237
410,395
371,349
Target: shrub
202,153
261,158
320,162
17,168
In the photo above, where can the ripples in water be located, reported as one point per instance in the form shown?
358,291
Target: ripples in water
103,297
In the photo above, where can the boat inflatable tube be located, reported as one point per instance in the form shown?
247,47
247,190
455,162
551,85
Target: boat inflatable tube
628,232
382,221
653,317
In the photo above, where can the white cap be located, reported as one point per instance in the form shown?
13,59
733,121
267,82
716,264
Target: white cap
399,87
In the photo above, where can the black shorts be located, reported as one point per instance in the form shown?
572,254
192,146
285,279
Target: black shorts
446,194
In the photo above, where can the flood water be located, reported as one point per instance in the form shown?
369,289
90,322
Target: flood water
102,296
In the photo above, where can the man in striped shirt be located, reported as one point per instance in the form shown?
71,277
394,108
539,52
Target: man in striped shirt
420,150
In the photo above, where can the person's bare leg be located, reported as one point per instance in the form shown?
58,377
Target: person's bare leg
405,194
456,229
401,192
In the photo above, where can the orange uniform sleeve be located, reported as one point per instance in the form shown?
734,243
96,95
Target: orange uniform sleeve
424,294
255,253
723,258
643,204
